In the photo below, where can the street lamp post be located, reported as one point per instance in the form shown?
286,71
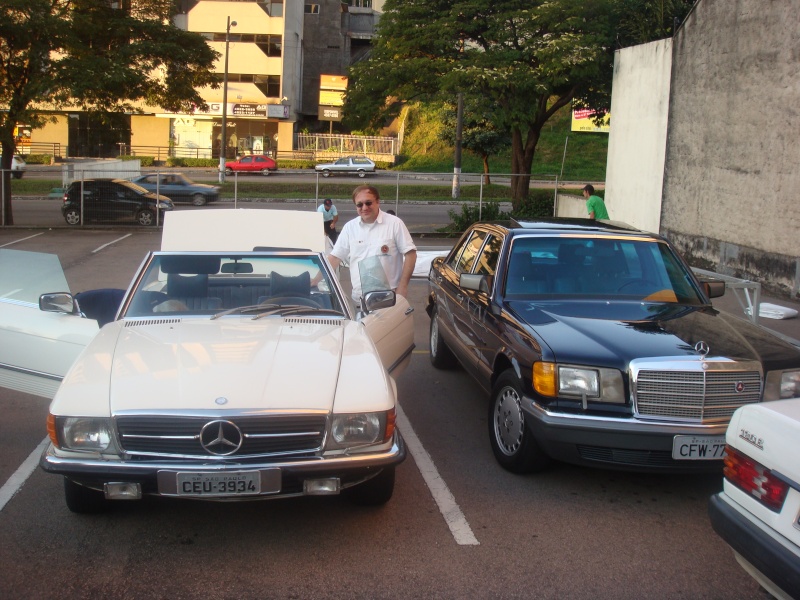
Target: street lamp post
223,145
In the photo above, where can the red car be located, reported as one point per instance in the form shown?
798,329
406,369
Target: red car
253,163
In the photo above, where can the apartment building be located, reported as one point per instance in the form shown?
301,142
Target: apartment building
277,51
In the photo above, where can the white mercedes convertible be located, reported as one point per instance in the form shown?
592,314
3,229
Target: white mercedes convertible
233,368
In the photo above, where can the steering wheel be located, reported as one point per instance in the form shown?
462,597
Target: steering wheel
289,300
638,284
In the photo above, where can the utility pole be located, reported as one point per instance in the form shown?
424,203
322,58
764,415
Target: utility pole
457,157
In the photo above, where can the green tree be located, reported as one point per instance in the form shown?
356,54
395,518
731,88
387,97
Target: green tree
527,58
480,134
94,55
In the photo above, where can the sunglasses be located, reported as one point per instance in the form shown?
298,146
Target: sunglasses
362,204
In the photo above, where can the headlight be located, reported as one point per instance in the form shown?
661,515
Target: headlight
361,429
597,384
780,385
573,381
82,433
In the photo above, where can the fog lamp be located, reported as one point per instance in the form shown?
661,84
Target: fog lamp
322,487
122,490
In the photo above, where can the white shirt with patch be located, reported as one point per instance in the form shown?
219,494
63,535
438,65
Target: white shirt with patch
387,239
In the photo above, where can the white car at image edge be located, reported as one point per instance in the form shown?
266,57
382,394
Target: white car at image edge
758,511
18,166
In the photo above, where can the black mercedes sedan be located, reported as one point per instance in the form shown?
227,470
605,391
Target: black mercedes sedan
598,346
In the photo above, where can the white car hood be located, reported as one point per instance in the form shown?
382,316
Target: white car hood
230,364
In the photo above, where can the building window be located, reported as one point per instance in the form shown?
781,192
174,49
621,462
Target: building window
360,3
270,85
312,9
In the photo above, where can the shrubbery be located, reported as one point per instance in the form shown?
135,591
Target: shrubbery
146,161
537,205
38,159
179,161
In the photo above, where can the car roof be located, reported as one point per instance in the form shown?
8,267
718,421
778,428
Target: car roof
554,225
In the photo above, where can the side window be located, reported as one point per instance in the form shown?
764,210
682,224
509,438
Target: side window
487,261
247,160
470,252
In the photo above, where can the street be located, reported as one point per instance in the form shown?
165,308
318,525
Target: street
458,525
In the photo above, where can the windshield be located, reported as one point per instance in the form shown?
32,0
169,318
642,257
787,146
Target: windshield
592,267
24,276
206,284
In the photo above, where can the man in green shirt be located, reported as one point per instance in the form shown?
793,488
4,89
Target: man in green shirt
594,204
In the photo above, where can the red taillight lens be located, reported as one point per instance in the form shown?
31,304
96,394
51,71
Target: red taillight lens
755,479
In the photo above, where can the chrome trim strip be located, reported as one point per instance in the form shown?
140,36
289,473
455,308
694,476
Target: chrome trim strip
134,436
403,357
31,372
616,424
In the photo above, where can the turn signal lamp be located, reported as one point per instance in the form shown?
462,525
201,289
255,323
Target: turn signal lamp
544,378
51,429
755,479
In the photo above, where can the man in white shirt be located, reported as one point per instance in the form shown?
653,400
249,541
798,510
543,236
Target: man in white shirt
375,238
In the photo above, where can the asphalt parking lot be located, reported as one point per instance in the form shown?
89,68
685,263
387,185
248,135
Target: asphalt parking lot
458,525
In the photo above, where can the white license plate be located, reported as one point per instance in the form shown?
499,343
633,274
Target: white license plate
234,483
692,447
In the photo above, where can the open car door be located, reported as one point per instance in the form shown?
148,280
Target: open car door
36,347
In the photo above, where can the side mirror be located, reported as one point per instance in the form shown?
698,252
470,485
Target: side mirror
478,283
60,302
378,299
714,288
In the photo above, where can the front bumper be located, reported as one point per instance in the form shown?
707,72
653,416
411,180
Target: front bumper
626,444
767,557
157,477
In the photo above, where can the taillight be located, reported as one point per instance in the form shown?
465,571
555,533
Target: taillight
755,479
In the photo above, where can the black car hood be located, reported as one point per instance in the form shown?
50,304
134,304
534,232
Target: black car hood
612,334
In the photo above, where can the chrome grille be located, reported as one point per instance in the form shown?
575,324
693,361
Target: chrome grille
263,435
700,391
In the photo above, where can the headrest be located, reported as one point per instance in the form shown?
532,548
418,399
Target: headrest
299,285
184,286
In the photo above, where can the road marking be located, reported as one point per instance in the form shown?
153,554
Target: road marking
104,246
451,512
17,480
22,240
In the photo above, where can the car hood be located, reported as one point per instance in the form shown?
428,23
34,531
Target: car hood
230,364
613,334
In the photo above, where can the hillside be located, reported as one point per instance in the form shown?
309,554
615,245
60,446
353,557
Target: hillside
424,151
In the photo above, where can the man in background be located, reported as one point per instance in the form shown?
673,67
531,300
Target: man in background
594,204
329,218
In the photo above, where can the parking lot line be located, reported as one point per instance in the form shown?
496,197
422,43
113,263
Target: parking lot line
450,510
104,246
17,480
20,240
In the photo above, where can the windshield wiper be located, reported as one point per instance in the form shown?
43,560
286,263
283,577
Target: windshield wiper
300,309
241,310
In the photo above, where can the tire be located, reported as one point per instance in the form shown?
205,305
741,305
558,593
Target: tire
362,174
198,200
265,172
441,355
72,216
326,173
16,174
228,171
512,441
375,491
146,218
83,500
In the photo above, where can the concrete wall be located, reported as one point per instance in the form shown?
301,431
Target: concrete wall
733,157
53,132
149,131
638,134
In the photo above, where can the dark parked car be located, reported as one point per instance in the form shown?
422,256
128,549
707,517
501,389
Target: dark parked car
598,346
253,163
112,200
178,188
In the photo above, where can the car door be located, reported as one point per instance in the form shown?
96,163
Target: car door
452,301
246,164
173,187
482,323
392,332
36,348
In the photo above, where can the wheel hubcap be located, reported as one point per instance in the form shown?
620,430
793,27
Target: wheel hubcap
509,422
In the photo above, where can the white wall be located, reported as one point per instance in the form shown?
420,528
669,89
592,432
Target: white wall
638,135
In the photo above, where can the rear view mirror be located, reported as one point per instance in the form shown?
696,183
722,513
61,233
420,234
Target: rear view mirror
478,283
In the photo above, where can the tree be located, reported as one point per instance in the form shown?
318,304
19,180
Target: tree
480,134
526,58
93,55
